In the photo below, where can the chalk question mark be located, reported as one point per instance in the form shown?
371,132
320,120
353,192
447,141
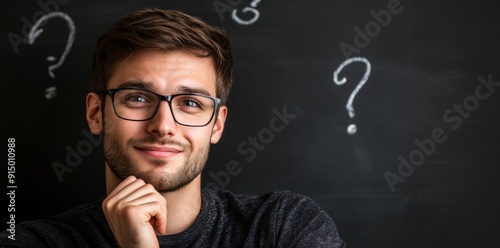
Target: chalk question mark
256,13
35,32
352,129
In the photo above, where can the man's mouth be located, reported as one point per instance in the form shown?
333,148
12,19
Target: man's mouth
159,151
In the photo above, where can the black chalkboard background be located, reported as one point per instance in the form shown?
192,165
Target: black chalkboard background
430,99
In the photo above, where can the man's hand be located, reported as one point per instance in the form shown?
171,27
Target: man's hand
135,212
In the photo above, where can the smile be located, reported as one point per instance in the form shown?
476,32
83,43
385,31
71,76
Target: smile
159,152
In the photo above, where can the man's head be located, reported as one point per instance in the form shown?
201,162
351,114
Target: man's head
157,75
162,30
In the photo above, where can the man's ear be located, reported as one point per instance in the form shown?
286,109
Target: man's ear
94,113
219,125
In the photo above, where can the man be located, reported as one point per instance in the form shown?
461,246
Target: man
160,83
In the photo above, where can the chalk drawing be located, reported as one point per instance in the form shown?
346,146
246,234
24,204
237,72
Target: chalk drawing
36,31
252,9
352,129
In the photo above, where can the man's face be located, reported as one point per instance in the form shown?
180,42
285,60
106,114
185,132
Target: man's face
161,151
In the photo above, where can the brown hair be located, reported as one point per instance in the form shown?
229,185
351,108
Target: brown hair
165,30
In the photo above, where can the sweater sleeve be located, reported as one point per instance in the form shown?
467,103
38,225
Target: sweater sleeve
301,222
30,234
82,226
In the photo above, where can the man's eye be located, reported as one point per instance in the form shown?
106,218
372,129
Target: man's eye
190,103
135,98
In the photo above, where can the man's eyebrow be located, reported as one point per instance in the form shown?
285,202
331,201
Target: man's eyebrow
192,90
136,85
149,86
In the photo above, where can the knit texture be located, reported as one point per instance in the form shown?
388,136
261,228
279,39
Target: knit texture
278,219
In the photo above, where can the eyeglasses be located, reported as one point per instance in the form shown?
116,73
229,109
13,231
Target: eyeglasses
193,110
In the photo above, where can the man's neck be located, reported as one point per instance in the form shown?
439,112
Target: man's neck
183,205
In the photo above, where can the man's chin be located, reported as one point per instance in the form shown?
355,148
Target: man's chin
166,182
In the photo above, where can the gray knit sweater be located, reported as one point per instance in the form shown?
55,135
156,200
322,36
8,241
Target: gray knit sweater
279,219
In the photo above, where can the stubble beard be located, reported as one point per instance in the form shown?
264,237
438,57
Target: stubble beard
122,166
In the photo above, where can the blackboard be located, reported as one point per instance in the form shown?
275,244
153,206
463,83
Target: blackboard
420,170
